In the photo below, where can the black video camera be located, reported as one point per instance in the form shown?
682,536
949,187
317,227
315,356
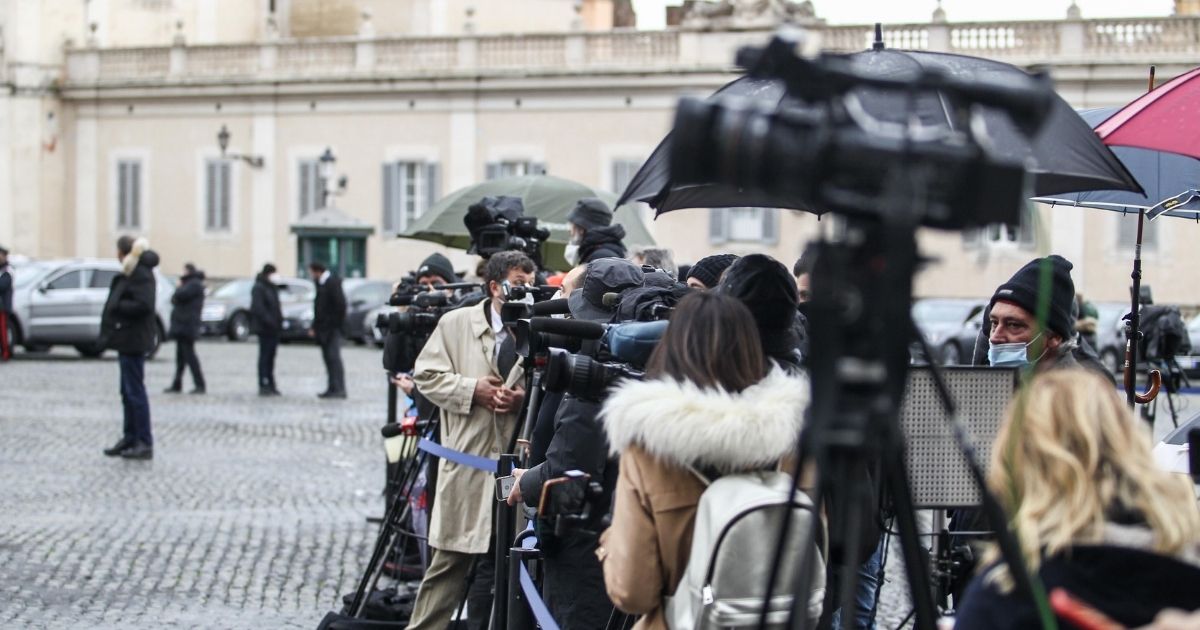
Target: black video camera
498,224
622,353
408,331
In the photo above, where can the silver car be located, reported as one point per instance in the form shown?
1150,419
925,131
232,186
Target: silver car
59,302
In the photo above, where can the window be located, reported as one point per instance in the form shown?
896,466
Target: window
1001,235
312,186
622,173
1127,233
69,280
217,194
129,194
102,278
756,225
409,189
514,168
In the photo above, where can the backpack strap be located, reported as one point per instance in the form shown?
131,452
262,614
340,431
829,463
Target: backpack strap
699,475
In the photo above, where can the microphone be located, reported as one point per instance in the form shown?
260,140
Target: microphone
611,299
568,327
395,443
550,307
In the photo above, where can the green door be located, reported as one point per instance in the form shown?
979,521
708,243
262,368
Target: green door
344,255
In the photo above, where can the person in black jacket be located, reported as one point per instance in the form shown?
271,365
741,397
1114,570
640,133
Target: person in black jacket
266,320
329,312
128,326
6,298
592,234
188,301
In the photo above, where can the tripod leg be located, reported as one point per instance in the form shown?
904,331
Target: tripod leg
915,559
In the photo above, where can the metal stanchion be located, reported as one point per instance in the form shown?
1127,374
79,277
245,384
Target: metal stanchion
505,526
520,616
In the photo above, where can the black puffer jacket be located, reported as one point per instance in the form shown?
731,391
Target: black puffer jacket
128,324
188,301
604,242
266,316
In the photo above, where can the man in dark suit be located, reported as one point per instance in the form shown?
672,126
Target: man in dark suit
266,320
329,313
188,302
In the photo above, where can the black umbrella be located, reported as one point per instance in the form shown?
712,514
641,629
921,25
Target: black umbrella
1065,157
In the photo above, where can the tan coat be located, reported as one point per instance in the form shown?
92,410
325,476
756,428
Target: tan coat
461,351
660,428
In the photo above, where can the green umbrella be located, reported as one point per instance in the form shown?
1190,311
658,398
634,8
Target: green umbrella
548,198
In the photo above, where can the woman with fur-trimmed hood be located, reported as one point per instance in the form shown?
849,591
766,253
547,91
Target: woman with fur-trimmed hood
708,407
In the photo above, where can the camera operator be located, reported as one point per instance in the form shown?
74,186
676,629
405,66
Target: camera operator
592,234
764,285
574,584
706,273
468,368
435,270
709,406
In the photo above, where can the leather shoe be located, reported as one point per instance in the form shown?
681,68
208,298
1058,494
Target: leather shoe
199,390
121,445
332,395
173,390
139,450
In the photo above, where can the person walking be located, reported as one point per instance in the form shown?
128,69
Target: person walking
188,301
266,320
6,298
329,313
127,325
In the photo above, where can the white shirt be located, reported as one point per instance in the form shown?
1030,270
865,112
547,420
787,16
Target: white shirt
498,326
323,278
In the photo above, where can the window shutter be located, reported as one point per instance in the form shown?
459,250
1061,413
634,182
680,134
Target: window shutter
226,189
433,187
718,225
306,177
210,194
1127,230
389,221
492,170
1149,234
135,193
537,168
770,226
1026,231
122,194
972,238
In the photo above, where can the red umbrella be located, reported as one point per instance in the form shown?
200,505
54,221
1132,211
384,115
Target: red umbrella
1163,119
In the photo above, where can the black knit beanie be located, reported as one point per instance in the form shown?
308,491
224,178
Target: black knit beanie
1023,289
709,269
438,265
764,285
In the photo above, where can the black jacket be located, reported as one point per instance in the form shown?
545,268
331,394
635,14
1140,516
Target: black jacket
188,301
1128,585
6,289
602,242
266,316
329,307
128,324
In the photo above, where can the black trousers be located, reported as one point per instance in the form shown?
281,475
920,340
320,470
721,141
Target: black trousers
185,358
574,586
331,354
267,345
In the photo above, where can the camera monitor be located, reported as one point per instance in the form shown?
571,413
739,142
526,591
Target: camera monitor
936,467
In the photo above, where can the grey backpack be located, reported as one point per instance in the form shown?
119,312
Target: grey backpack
733,547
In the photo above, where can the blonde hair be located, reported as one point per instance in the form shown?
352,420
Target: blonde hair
1068,456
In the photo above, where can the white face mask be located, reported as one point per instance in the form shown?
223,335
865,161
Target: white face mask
571,253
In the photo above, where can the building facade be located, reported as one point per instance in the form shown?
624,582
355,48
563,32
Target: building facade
111,119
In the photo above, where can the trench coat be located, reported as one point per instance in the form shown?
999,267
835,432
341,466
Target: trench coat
461,351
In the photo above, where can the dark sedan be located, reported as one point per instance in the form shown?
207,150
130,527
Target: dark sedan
363,296
227,309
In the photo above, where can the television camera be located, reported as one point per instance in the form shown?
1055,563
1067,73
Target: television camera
498,224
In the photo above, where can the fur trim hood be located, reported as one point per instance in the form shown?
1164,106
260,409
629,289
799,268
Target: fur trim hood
692,426
140,253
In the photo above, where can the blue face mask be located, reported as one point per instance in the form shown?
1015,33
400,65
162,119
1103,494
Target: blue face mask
1010,354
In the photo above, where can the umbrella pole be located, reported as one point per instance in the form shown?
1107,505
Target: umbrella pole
1132,328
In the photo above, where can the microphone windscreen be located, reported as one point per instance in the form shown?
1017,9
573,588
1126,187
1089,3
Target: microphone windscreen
392,429
550,307
569,327
611,299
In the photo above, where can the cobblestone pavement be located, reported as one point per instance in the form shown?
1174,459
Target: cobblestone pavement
252,513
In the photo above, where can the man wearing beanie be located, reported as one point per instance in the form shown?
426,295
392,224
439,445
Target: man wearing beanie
766,287
592,234
435,270
706,273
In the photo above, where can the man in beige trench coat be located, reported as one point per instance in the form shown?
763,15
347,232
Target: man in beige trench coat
460,371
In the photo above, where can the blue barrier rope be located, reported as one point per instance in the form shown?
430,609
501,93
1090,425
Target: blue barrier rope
465,459
536,605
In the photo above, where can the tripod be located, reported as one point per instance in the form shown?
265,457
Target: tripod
1173,382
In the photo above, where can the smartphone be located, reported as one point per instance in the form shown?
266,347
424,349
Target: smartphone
504,486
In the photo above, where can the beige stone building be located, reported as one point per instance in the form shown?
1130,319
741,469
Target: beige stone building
110,124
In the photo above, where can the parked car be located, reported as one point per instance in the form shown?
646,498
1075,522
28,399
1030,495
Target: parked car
950,327
227,309
363,296
59,302
1110,334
